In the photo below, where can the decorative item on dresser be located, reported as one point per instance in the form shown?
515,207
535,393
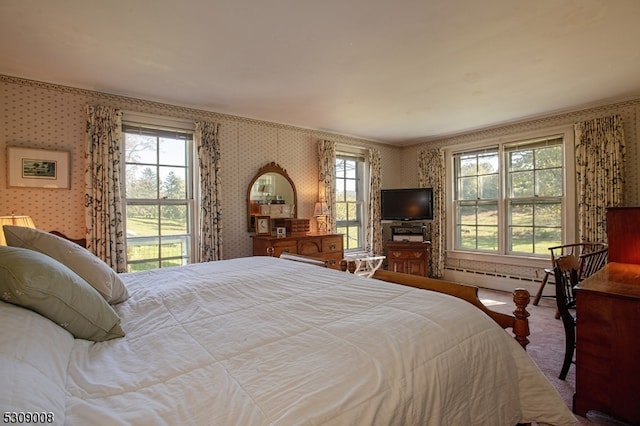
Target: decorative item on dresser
321,211
607,332
408,257
326,247
271,193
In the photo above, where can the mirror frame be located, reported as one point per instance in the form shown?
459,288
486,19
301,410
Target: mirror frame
270,168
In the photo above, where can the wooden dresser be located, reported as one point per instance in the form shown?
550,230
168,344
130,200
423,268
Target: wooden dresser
408,257
320,246
607,330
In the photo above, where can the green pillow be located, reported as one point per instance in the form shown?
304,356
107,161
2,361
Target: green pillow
80,260
38,282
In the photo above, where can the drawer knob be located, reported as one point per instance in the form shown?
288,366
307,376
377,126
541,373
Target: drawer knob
332,246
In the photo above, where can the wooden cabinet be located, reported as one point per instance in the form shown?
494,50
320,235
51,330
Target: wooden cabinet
408,257
320,246
607,331
608,343
623,234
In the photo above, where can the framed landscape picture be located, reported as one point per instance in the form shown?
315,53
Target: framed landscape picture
37,168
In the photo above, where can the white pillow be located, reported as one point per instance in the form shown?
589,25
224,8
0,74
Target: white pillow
38,282
78,259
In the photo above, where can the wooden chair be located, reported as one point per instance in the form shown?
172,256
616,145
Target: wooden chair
566,275
592,256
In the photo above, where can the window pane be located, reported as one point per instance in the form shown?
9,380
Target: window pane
521,160
172,183
521,184
549,157
548,214
522,239
142,182
545,238
549,183
488,163
351,190
340,168
174,219
467,236
468,165
488,214
467,215
172,152
140,149
489,187
468,188
488,238
142,220
174,247
521,214
142,252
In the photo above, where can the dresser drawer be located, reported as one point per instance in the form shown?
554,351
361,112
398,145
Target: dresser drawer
407,254
332,244
284,247
333,260
310,246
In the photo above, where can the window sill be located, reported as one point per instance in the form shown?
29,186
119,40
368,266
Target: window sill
528,261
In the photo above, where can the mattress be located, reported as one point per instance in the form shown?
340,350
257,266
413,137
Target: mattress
266,341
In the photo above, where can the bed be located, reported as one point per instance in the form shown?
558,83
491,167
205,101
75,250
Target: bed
268,341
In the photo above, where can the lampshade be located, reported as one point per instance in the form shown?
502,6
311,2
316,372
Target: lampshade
16,221
321,209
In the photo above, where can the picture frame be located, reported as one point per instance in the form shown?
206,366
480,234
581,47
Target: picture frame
281,232
263,225
37,168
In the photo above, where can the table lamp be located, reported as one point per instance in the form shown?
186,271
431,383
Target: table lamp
321,211
15,221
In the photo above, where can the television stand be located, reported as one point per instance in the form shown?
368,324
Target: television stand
408,257
408,233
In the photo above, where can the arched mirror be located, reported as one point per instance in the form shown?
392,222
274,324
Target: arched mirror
271,193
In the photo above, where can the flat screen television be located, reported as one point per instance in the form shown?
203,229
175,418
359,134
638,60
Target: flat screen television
407,204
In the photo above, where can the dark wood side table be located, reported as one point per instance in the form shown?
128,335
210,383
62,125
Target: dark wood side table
408,257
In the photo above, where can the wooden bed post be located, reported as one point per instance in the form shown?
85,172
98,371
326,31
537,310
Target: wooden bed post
521,298
518,322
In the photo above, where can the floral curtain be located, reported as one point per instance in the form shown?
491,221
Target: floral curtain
103,202
374,230
327,184
206,139
431,174
600,151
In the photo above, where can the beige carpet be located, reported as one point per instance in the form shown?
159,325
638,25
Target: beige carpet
546,345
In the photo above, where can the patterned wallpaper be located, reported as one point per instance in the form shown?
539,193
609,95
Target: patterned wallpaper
42,115
629,111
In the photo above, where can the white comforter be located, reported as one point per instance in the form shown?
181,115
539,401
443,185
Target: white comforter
259,341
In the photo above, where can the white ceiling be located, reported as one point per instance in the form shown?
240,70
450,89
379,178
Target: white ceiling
398,72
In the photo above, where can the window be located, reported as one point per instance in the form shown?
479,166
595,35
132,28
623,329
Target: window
350,200
158,197
476,195
510,198
535,189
